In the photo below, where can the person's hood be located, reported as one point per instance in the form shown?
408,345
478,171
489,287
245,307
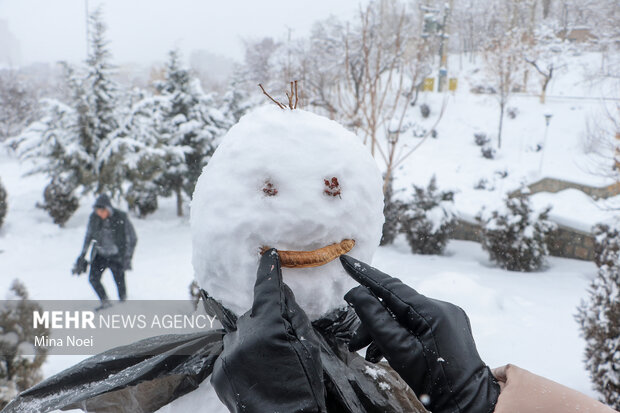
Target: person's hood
103,201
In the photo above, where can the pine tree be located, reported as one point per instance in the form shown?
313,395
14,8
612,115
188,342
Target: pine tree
151,160
18,102
53,144
194,123
20,361
165,140
100,114
68,144
236,103
71,142
599,318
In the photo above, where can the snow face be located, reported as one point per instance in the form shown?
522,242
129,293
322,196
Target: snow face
291,180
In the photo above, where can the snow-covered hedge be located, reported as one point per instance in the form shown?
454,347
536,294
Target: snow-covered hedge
516,237
59,201
3,204
599,318
428,219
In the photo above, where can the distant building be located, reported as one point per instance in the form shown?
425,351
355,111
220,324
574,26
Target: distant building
577,35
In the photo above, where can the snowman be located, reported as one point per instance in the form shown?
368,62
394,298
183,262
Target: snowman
300,183
294,181
284,179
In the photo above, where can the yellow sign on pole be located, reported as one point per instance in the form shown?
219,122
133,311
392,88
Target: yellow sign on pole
453,84
429,84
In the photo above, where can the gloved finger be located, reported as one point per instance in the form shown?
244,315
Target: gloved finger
373,353
397,296
296,315
403,350
306,346
360,339
268,294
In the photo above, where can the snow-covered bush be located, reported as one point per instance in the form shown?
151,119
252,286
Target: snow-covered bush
512,112
3,204
607,245
20,364
501,173
599,318
488,152
428,219
481,138
516,237
418,131
143,199
425,110
59,201
484,183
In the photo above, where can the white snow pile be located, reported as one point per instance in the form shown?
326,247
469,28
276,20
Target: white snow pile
291,180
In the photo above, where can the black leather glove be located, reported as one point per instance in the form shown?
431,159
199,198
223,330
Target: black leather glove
80,265
271,363
428,342
127,264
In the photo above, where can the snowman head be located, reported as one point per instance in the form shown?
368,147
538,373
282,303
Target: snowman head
289,180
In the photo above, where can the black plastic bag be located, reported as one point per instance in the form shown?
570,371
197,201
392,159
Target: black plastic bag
140,377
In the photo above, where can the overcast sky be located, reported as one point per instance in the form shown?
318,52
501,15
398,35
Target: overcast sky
142,31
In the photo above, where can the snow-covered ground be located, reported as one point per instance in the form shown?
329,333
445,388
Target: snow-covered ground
526,319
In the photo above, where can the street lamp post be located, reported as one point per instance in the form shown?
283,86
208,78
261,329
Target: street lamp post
544,148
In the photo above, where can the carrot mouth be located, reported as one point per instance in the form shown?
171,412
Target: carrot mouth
314,258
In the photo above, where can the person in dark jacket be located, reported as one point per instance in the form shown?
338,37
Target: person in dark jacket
114,243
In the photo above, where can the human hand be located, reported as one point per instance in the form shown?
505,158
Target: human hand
80,266
272,361
427,341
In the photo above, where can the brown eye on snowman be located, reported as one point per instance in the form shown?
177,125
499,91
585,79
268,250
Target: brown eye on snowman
332,187
269,189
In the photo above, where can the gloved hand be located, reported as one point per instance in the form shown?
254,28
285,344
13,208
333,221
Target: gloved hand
271,363
127,264
428,342
80,265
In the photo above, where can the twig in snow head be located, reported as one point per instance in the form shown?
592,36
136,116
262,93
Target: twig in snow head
290,97
281,106
296,96
293,96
